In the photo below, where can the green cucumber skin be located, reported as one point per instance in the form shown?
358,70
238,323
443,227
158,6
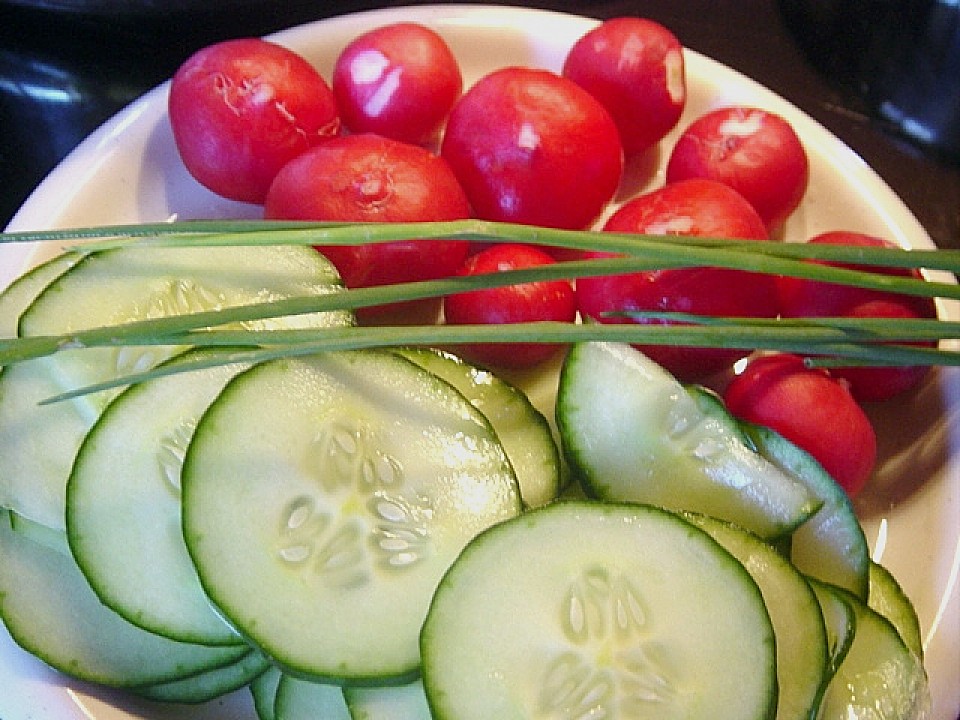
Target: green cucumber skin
39,442
630,431
51,612
123,505
887,597
831,545
485,659
802,654
310,493
523,430
209,685
879,675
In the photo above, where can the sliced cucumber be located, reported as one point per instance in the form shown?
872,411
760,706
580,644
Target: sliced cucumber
51,612
523,430
299,699
263,688
630,431
38,443
831,545
345,483
17,296
587,609
400,702
888,598
879,677
839,620
208,685
123,506
794,610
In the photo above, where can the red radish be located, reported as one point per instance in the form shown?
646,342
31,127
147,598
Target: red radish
800,297
754,151
398,80
532,147
692,207
813,410
635,68
241,109
875,384
367,178
528,302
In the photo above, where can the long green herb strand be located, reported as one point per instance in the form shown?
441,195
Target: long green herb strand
861,341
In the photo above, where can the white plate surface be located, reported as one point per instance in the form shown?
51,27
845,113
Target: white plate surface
129,171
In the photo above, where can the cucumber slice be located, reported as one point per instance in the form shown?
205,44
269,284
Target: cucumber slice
263,688
207,685
888,598
400,702
123,506
794,610
17,296
831,545
51,612
345,483
839,620
523,430
38,443
299,699
879,677
630,431
588,609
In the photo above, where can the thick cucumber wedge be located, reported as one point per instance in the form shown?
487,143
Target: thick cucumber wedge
794,610
263,689
588,609
324,497
879,677
123,506
299,699
888,598
400,702
210,684
51,612
523,430
630,431
38,443
17,296
831,545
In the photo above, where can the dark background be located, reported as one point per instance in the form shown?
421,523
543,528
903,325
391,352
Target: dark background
68,65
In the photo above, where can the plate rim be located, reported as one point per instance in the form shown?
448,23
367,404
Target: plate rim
75,170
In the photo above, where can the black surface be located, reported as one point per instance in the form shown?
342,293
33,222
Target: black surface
68,65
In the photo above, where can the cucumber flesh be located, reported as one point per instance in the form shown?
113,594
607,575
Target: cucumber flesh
346,483
831,545
630,431
523,430
123,506
399,702
620,620
50,611
38,443
299,699
794,610
879,677
888,598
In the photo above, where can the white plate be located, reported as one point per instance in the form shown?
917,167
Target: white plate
129,171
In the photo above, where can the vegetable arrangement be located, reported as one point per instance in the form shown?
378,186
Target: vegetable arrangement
351,525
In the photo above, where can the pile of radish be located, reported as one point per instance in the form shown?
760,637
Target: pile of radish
395,136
